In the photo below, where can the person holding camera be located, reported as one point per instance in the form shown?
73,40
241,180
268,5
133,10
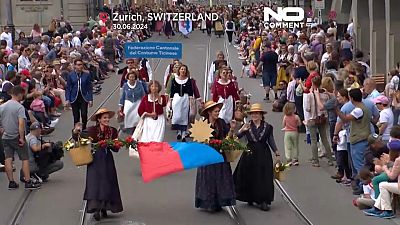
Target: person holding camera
41,160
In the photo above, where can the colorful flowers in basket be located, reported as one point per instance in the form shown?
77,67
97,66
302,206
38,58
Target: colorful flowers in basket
116,144
279,169
74,144
230,146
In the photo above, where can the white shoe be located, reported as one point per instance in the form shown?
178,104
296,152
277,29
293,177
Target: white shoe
2,166
242,58
54,122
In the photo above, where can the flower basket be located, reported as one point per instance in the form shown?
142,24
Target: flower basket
232,155
82,153
230,147
279,171
280,175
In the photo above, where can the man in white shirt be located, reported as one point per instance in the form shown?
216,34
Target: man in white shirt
386,117
6,35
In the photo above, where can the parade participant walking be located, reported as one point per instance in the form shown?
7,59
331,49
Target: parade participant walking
230,29
225,92
214,67
79,93
131,66
151,109
254,174
168,28
169,70
132,94
214,183
102,189
145,71
182,87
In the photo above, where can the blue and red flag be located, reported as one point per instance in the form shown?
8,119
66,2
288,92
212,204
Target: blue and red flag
158,159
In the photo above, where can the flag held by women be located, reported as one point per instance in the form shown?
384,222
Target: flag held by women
158,159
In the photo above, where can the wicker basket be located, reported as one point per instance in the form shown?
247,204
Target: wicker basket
280,175
231,156
81,155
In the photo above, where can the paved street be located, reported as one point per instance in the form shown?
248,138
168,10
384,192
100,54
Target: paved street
170,200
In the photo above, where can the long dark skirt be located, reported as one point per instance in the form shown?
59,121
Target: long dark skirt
102,189
254,175
214,187
168,29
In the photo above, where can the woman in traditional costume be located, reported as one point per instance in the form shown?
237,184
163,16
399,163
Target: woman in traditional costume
151,109
102,189
254,173
132,94
182,89
168,28
214,183
219,27
225,91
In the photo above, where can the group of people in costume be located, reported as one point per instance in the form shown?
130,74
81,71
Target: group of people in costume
141,101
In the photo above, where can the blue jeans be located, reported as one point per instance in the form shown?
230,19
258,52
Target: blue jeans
357,155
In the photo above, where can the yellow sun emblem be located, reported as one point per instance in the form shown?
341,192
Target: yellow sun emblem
201,131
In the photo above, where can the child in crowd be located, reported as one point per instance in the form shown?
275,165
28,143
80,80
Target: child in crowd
384,165
38,108
343,158
367,200
290,123
245,69
253,69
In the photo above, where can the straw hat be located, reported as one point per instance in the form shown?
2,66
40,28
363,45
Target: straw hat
101,112
209,105
257,107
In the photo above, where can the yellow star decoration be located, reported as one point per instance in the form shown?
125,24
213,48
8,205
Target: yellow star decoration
201,131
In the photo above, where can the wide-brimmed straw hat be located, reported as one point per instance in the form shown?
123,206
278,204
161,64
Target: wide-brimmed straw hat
257,107
101,112
208,105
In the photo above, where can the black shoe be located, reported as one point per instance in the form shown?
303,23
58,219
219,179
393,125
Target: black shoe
183,139
96,216
12,185
264,207
179,137
32,185
104,213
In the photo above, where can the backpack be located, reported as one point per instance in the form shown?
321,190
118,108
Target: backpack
229,25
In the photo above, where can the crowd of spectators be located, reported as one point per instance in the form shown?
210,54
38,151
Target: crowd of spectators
40,64
348,118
